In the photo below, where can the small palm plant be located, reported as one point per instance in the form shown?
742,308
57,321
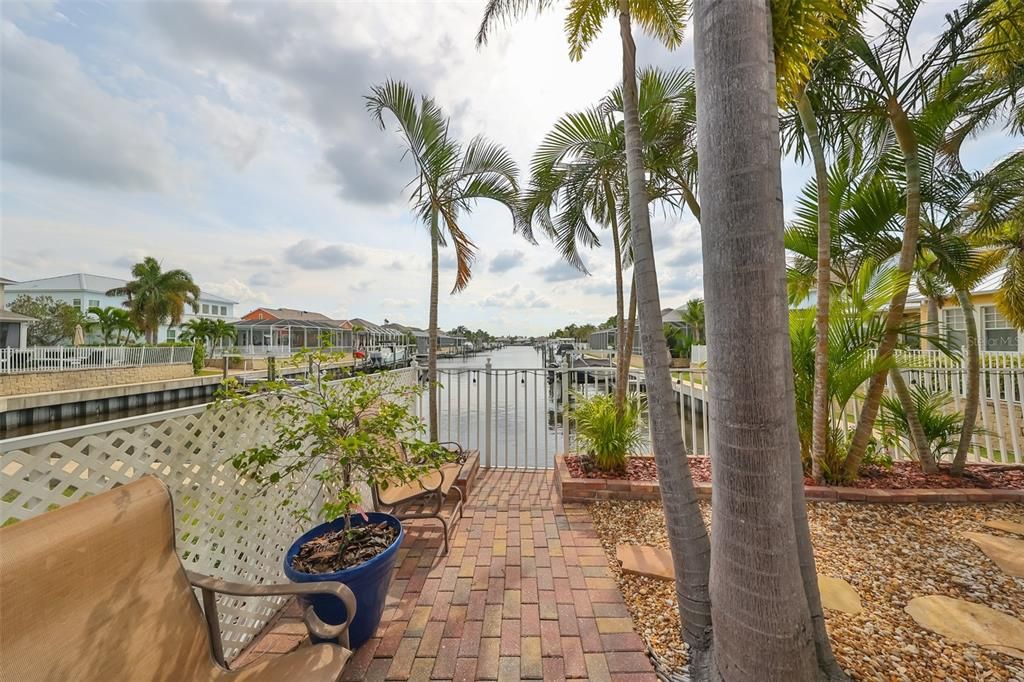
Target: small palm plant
941,423
607,435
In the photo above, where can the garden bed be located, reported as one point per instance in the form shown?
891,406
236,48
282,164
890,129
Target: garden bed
889,555
903,483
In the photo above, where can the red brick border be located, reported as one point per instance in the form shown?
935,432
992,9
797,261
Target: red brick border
590,489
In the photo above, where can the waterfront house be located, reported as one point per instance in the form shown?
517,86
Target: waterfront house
283,331
604,339
13,326
84,291
995,332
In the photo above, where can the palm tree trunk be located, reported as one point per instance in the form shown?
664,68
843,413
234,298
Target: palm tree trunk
820,402
689,198
688,539
894,319
432,331
933,322
973,382
622,379
917,436
765,606
620,323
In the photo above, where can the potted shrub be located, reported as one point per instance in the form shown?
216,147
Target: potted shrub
341,437
605,437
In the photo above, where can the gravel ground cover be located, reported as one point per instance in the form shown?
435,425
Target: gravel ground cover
888,553
900,476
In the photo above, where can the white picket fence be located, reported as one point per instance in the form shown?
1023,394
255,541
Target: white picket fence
1000,426
222,528
988,359
65,358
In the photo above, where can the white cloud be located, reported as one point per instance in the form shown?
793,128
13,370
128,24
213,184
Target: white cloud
239,137
57,122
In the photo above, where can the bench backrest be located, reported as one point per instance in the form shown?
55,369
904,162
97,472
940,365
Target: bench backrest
95,591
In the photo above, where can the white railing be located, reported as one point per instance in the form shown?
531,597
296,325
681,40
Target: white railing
999,437
698,354
222,526
988,359
281,351
513,416
64,358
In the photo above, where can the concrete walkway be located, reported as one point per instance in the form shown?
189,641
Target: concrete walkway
525,593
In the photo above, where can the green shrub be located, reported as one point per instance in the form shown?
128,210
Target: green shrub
198,357
941,423
603,434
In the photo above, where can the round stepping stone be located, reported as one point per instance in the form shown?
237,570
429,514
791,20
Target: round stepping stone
964,621
1007,553
838,595
1008,526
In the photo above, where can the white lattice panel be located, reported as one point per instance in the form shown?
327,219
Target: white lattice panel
222,529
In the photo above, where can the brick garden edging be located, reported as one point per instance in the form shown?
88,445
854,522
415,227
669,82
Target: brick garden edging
591,489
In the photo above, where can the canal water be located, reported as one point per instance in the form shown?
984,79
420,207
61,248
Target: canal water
524,406
512,415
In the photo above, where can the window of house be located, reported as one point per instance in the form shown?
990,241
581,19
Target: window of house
206,309
94,303
171,334
77,302
224,310
999,333
955,329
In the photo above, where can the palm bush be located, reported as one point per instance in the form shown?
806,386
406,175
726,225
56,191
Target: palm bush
942,424
606,435
856,327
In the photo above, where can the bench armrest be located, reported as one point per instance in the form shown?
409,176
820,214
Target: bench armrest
212,586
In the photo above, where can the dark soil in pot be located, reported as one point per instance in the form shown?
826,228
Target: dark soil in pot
337,550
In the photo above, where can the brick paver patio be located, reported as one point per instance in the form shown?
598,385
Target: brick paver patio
525,593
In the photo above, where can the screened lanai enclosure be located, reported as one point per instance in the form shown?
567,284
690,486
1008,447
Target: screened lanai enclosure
285,337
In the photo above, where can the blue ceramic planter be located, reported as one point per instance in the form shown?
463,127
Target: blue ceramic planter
369,581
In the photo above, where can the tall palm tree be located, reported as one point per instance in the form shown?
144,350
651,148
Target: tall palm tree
886,92
579,173
757,477
450,179
804,34
156,296
577,176
664,19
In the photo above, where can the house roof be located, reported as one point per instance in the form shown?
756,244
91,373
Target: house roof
78,281
305,324
292,314
85,282
988,285
5,281
8,316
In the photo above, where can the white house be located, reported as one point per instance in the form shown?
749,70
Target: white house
85,291
13,327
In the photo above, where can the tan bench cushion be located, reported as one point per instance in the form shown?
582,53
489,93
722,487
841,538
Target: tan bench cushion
94,592
445,477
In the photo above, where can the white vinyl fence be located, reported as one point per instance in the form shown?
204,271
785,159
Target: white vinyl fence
222,528
999,437
65,358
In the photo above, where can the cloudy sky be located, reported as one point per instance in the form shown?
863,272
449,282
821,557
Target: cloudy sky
231,139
